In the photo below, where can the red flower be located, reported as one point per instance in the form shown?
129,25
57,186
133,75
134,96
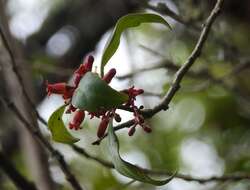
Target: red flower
109,75
86,66
83,69
77,78
88,62
57,88
132,92
103,126
77,120
60,88
68,92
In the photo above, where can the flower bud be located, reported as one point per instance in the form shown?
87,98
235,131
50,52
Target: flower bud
117,118
77,120
77,78
81,70
102,127
88,63
109,75
131,131
57,88
147,129
138,92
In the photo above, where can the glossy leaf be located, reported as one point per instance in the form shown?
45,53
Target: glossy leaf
94,94
57,128
126,168
125,22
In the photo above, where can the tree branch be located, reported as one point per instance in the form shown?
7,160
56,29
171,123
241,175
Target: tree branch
20,181
32,129
55,153
107,164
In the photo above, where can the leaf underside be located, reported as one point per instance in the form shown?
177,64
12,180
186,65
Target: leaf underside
126,168
125,22
58,129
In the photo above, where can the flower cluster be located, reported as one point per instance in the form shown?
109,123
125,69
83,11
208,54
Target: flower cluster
105,115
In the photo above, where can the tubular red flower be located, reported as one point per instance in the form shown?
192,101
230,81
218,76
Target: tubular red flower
57,88
109,75
132,92
102,127
77,120
83,68
137,92
68,93
88,62
77,78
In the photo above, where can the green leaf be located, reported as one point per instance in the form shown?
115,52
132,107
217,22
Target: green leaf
94,94
57,128
126,168
125,22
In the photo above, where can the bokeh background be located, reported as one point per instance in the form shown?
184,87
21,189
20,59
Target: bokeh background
205,132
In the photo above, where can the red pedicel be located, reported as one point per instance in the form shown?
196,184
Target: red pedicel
70,109
77,120
68,92
109,75
102,127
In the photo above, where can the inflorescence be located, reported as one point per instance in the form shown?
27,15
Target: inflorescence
67,92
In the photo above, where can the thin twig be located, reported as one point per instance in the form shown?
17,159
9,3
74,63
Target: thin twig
164,9
82,152
107,164
190,61
15,70
16,177
167,64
